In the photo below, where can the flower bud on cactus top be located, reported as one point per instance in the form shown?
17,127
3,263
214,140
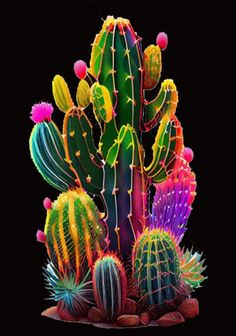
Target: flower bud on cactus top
80,69
162,40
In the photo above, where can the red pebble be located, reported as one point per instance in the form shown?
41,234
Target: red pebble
162,40
64,314
189,308
170,319
188,154
80,69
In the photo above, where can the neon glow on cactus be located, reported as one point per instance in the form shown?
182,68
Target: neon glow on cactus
98,258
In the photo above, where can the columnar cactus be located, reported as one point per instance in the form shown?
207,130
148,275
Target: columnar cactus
90,251
110,286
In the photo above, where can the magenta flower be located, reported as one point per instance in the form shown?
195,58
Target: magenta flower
41,112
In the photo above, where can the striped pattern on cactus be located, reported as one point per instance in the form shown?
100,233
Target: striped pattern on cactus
156,267
73,232
110,285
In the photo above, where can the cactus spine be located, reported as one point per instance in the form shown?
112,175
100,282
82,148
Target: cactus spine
110,286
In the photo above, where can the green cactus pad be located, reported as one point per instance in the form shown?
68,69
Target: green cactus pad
61,94
151,66
83,93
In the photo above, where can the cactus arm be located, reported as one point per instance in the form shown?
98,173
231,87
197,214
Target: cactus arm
48,154
81,153
166,148
164,103
61,94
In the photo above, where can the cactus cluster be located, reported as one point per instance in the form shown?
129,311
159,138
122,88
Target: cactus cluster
125,258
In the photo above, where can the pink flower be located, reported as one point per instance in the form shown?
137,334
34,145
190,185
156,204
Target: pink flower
162,40
41,237
41,112
80,69
188,154
47,203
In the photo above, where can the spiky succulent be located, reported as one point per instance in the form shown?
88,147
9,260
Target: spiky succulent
76,296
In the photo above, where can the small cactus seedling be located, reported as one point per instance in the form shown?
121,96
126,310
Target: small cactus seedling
130,248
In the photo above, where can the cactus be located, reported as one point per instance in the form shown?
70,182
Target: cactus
116,176
110,285
73,233
156,267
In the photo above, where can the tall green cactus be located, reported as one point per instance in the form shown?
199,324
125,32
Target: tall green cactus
118,65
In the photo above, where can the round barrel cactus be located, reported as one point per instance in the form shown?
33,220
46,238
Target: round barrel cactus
73,232
110,286
156,267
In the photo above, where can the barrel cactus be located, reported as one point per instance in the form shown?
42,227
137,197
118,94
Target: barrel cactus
73,232
131,246
110,286
156,267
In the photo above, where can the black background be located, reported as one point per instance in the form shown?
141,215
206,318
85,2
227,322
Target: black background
48,38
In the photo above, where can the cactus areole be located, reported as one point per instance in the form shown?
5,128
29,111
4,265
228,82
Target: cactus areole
124,257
